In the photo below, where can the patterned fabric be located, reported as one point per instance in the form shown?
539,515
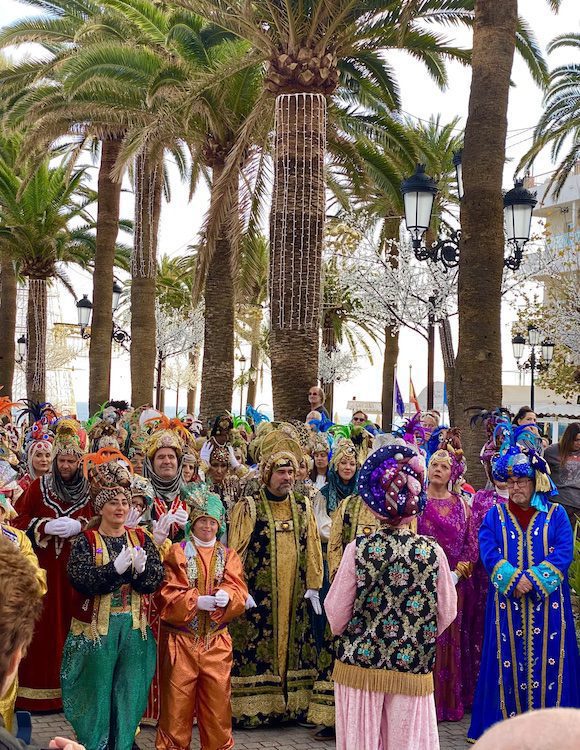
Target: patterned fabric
260,694
530,655
394,623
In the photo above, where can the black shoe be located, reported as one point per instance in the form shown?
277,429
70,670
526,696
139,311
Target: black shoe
326,733
306,724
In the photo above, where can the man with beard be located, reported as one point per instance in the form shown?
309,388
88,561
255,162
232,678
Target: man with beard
275,533
54,509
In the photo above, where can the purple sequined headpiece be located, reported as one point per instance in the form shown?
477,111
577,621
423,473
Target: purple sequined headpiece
391,482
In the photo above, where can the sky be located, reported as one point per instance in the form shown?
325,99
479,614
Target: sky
181,219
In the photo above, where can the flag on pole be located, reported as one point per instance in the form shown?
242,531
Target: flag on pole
445,402
412,396
399,403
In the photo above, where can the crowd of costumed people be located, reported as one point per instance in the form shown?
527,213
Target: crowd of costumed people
248,573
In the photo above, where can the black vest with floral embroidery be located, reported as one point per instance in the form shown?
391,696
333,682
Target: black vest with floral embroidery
394,620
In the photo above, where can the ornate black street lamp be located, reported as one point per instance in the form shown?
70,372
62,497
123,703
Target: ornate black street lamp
85,309
533,340
419,193
21,348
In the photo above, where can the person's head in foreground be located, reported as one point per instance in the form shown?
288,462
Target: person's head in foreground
391,483
548,729
20,607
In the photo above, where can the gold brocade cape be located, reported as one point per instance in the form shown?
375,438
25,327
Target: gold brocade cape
274,649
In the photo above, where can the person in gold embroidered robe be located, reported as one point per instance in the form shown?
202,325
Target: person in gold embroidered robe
204,590
276,534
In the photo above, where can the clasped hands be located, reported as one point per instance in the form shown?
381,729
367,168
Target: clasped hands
135,556
211,603
524,586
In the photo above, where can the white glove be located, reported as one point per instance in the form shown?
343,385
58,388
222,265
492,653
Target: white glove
133,518
454,578
205,452
123,561
250,603
139,560
222,598
206,603
63,527
314,597
180,517
161,528
234,463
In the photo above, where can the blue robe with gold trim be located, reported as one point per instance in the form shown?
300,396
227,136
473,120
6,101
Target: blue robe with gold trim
530,655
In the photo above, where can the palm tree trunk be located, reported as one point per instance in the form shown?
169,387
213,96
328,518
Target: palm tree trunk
36,324
148,187
296,237
108,208
192,390
217,381
8,327
391,353
390,358
478,366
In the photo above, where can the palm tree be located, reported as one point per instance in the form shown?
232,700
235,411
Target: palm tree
38,99
478,363
308,50
39,226
164,105
9,153
560,121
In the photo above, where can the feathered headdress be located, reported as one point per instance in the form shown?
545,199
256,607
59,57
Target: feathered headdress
109,474
518,459
256,416
495,421
6,406
411,431
321,425
167,433
68,439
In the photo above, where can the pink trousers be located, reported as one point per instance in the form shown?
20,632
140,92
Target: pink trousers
378,721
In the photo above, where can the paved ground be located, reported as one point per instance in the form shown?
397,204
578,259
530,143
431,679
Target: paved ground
45,727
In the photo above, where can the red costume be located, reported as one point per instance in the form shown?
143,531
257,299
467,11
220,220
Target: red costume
40,670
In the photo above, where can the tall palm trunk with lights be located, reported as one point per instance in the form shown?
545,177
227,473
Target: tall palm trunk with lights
478,364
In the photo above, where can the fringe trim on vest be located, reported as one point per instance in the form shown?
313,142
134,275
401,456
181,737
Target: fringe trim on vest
382,680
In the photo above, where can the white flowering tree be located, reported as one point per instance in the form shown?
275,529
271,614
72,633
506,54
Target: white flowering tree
178,332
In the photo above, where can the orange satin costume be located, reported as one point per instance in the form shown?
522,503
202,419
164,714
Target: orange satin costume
195,648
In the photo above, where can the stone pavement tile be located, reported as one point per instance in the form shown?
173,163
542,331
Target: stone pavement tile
46,726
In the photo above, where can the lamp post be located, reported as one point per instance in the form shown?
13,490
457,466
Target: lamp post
419,193
242,361
84,312
21,347
518,204
85,309
534,339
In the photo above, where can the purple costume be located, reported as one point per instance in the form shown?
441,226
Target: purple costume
449,522
475,599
